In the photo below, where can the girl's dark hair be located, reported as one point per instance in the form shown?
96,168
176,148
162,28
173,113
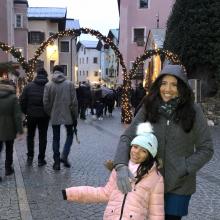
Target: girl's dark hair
145,166
185,112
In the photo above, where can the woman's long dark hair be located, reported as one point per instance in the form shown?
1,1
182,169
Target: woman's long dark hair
185,112
145,166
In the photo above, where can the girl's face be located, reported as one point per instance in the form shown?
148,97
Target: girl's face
138,154
168,88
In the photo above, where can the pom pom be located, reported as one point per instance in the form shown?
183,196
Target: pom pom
144,128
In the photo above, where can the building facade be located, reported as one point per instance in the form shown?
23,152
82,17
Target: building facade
110,69
14,28
89,62
137,17
44,22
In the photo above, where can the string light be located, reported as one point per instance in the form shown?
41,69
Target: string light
126,111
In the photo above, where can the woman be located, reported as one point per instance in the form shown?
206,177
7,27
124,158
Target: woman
184,139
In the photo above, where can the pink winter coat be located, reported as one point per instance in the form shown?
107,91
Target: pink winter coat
144,202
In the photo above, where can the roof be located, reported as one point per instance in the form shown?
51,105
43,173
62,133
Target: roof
72,24
46,12
114,32
89,43
158,36
21,2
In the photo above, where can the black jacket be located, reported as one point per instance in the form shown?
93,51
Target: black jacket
31,99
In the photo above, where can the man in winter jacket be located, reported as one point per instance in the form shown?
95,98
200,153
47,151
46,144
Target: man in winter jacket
31,101
10,122
60,102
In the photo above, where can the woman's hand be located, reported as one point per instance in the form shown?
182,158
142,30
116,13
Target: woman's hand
124,177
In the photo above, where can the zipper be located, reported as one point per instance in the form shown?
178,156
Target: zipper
122,207
164,161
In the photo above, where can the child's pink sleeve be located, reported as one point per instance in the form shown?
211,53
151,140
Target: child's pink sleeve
89,194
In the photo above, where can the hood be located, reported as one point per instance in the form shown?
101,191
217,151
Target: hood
58,77
174,70
6,90
41,79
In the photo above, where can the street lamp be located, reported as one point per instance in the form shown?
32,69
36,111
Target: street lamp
100,74
76,73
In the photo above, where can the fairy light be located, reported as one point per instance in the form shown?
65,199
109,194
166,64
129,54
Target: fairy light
126,110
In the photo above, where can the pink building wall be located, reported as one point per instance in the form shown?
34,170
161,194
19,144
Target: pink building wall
132,17
10,35
4,23
21,34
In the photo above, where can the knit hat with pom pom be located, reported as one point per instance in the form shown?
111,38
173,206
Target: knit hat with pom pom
145,138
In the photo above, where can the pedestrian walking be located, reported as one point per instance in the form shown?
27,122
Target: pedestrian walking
31,101
146,200
84,99
98,100
184,140
60,103
10,122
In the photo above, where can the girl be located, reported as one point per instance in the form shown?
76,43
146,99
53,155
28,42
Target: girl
146,199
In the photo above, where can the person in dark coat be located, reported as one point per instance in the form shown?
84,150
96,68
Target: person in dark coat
84,99
31,101
139,94
10,122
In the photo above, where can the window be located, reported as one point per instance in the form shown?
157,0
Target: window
64,46
18,21
139,36
87,73
96,73
84,51
95,59
143,3
87,60
64,69
36,37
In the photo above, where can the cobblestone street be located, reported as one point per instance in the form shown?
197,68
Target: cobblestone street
35,192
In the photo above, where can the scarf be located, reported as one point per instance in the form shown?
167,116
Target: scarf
167,109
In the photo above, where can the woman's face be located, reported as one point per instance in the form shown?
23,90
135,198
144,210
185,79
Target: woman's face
168,88
138,154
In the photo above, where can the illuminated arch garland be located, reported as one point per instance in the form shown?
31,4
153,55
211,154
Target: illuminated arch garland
127,76
126,115
149,53
16,54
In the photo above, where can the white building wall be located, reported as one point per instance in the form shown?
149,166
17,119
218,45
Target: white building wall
86,70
